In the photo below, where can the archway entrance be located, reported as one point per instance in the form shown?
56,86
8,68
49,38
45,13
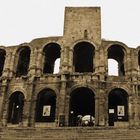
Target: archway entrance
16,103
51,53
118,106
45,106
83,57
117,53
82,102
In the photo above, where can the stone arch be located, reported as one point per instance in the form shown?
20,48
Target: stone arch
123,87
15,108
84,40
82,85
82,102
46,106
117,52
41,88
2,60
23,61
111,43
19,89
51,52
117,106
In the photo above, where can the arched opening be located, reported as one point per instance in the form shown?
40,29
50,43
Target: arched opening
116,52
82,102
45,106
23,61
118,106
139,59
83,57
2,60
56,65
15,110
51,54
112,67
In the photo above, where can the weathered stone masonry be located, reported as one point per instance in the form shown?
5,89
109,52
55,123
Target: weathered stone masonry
28,84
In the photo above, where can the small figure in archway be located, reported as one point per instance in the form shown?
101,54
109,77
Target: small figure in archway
79,120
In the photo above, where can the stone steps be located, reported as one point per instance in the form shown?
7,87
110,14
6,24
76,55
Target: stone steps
69,133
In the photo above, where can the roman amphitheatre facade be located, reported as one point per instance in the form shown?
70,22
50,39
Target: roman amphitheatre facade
33,95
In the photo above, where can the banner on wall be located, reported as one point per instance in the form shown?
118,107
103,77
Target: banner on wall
46,110
120,111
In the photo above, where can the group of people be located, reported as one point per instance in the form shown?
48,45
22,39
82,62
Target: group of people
86,120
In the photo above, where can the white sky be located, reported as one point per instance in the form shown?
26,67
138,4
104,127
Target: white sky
24,20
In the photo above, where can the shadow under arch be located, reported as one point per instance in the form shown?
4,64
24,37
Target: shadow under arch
2,60
117,106
83,57
46,106
82,102
117,53
139,59
15,108
51,53
23,61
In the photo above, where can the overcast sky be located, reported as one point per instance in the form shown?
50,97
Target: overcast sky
24,20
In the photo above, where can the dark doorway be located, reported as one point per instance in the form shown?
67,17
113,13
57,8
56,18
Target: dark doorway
2,60
139,59
83,57
16,103
23,61
116,52
82,102
45,106
118,106
51,54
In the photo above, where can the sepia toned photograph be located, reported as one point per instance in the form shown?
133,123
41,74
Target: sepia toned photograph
70,70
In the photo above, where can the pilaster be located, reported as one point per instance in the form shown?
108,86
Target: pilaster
62,97
39,62
32,65
131,112
101,109
4,101
30,112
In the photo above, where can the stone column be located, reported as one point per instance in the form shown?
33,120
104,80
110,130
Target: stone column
96,61
71,66
65,58
39,62
26,110
134,65
136,105
13,65
32,65
96,110
101,109
6,68
131,112
61,60
67,109
136,110
30,112
128,65
62,101
106,111
4,102
101,63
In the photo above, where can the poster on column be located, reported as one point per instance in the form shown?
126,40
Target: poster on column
46,110
120,111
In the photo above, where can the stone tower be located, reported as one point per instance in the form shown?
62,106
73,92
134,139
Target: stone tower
33,95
